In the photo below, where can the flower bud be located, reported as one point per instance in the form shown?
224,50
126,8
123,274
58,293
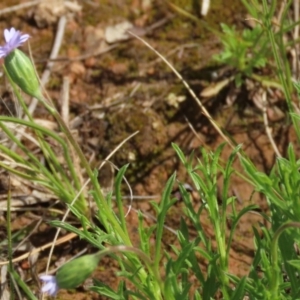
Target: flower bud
22,73
76,271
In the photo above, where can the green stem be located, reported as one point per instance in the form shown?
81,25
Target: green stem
9,238
220,239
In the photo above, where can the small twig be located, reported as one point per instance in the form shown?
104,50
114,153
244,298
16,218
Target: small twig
195,132
205,7
29,235
268,129
19,6
295,63
62,240
192,93
65,99
54,52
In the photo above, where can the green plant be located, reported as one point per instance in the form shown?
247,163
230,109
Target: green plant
244,51
148,270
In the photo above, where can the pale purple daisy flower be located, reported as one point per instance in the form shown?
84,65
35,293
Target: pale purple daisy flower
13,39
50,287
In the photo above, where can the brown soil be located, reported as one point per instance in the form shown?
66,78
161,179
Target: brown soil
132,89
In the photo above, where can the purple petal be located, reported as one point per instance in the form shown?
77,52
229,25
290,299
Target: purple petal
47,278
8,34
24,38
50,287
47,287
13,39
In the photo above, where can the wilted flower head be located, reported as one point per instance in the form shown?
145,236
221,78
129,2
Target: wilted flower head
13,39
50,287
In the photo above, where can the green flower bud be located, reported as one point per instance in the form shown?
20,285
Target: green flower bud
73,273
21,71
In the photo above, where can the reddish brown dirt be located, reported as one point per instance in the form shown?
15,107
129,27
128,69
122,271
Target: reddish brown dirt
132,86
